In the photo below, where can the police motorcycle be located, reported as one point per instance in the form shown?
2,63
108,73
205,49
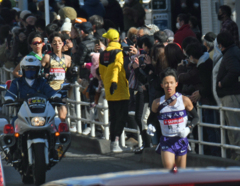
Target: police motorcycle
31,145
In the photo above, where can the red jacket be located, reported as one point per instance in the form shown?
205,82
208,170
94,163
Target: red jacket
182,33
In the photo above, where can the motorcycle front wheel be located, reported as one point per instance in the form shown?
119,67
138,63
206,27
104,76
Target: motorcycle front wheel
39,165
27,179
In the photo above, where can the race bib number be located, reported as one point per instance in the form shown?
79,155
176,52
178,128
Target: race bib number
173,124
58,72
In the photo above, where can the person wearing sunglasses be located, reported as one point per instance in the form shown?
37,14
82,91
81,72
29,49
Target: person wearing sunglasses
35,41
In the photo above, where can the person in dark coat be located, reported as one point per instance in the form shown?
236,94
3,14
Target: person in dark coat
204,64
228,85
188,76
82,55
224,15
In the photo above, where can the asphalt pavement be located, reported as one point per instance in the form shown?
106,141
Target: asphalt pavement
78,163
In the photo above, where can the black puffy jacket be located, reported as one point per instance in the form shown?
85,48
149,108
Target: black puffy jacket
83,54
229,72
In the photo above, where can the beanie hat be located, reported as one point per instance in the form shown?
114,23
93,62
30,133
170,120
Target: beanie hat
24,13
210,36
68,12
67,25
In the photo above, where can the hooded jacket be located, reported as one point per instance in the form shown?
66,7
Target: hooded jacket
114,72
217,59
94,7
229,72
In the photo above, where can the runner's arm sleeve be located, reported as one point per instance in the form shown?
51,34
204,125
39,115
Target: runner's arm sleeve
152,118
195,119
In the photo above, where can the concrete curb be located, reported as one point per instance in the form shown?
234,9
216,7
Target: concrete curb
90,144
102,146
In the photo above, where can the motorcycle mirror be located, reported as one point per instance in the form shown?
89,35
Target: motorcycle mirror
3,87
65,86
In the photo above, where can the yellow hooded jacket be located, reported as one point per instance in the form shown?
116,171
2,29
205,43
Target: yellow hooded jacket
114,71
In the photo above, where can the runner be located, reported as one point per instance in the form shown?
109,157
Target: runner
172,116
57,64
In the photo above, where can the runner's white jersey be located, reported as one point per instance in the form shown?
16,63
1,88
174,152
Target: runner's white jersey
172,119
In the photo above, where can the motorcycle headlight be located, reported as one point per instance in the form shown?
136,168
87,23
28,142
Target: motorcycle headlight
38,121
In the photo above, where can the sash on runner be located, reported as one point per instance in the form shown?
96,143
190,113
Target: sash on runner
36,56
168,101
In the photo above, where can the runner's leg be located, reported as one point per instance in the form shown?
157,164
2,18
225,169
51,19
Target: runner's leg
168,159
181,161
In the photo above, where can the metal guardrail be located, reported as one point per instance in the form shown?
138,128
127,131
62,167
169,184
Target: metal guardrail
77,102
222,128
103,106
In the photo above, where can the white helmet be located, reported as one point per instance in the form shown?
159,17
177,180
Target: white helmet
30,61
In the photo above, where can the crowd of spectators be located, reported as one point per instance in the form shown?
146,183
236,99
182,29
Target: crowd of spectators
129,68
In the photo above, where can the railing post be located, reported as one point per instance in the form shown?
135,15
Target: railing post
91,122
78,109
68,113
106,119
139,137
123,138
11,74
222,130
200,130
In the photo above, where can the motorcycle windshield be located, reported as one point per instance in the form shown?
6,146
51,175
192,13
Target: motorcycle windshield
36,103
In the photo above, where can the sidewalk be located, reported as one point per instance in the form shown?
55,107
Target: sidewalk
101,146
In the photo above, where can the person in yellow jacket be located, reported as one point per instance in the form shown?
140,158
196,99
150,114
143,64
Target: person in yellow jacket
112,72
